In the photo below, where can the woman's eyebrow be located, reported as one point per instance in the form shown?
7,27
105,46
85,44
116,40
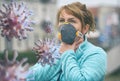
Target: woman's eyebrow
67,19
61,18
71,18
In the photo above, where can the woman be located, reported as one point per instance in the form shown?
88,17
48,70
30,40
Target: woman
80,60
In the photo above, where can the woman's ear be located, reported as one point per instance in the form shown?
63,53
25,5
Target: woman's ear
86,29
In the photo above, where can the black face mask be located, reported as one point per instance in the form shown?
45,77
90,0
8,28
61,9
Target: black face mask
68,33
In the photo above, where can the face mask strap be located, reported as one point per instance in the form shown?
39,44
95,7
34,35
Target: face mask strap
78,33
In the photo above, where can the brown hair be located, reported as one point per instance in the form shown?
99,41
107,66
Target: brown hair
80,11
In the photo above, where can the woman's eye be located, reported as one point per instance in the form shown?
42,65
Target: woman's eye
61,20
72,21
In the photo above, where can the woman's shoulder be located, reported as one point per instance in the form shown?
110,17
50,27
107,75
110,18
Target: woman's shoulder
92,49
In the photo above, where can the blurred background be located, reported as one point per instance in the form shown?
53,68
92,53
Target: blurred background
107,34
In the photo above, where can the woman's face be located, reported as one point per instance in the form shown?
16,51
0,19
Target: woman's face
64,17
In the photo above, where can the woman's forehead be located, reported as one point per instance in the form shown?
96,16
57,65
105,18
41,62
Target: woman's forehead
64,13
67,11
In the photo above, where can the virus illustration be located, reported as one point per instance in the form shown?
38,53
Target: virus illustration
15,20
47,26
13,70
46,51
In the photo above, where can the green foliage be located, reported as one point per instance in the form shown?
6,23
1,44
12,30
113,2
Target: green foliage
112,77
28,54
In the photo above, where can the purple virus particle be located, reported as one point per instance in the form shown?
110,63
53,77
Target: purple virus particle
47,26
15,20
45,51
13,70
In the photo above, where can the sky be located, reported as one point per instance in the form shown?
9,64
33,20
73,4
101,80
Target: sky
91,2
